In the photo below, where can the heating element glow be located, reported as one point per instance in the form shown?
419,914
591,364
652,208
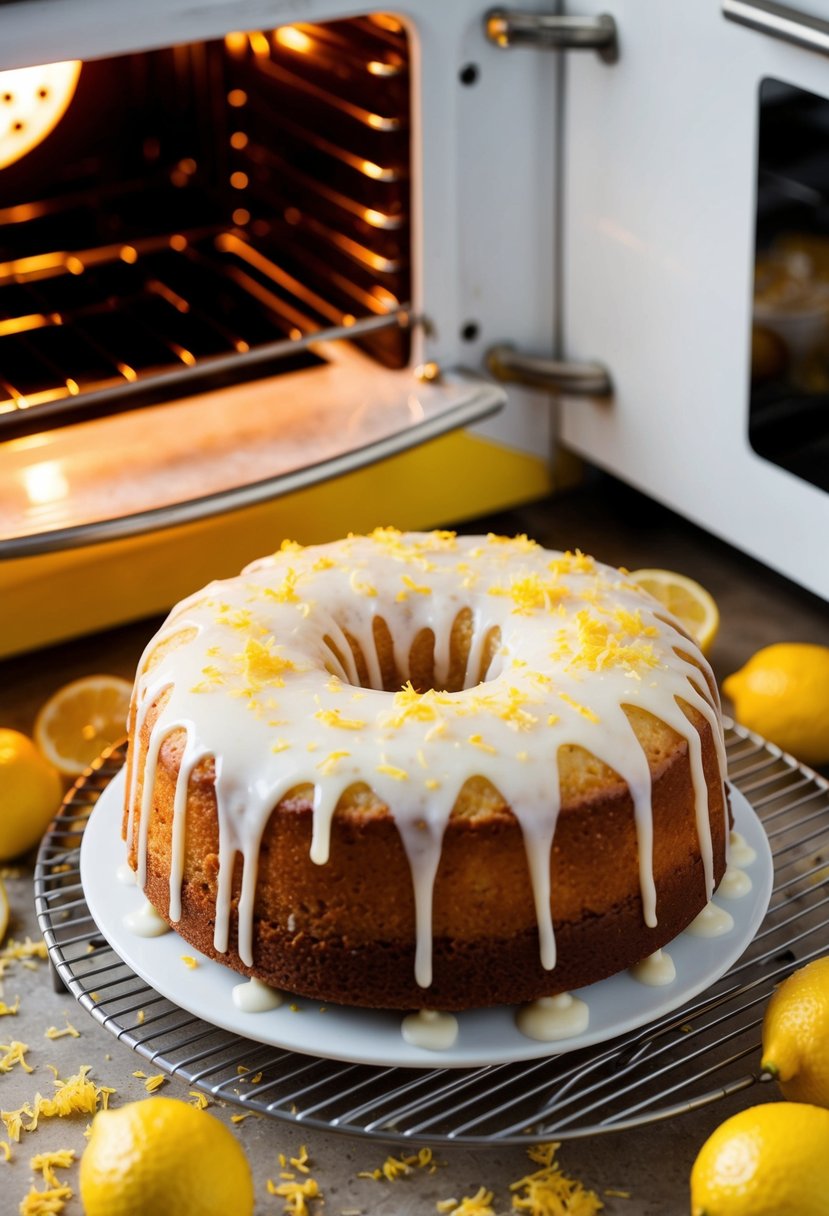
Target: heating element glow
32,103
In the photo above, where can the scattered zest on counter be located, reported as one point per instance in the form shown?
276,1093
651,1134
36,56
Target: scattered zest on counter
74,1095
550,1190
397,1167
479,1204
14,1053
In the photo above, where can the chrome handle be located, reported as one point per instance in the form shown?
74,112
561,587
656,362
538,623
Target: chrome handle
505,363
780,21
513,27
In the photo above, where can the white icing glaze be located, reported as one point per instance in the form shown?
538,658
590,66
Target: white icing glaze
735,884
553,1017
656,970
126,874
430,1029
740,851
264,680
711,922
255,997
145,921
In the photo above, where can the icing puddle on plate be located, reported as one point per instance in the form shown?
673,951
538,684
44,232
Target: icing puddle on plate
428,1038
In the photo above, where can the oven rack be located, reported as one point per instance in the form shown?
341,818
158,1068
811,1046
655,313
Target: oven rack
687,1059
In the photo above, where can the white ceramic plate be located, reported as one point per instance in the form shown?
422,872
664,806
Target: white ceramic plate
486,1036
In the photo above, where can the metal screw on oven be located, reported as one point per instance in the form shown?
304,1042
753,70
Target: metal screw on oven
428,373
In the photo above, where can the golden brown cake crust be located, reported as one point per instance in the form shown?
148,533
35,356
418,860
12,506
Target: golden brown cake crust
344,931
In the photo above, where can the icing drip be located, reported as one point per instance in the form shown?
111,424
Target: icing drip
740,851
711,922
145,922
735,884
429,1029
553,1017
265,681
126,874
656,970
255,997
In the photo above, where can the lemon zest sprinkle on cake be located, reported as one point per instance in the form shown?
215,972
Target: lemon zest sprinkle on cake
531,593
329,764
477,741
281,745
432,783
360,587
333,717
584,710
391,770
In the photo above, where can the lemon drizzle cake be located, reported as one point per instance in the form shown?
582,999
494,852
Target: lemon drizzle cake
298,729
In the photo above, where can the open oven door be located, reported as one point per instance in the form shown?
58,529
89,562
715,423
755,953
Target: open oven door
660,236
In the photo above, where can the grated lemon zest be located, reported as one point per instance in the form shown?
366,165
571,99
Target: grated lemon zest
69,1029
333,717
6,1150
391,770
361,588
200,1101
73,1095
301,1162
478,742
295,1194
47,1163
189,961
14,1053
9,1010
50,1202
549,1192
155,1082
479,1204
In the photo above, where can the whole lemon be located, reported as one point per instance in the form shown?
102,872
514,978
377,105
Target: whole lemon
769,1160
783,694
796,1035
30,794
166,1158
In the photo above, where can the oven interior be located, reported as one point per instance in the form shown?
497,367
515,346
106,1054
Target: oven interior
206,279
203,200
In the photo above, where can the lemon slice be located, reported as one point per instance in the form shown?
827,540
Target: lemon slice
690,603
81,719
4,911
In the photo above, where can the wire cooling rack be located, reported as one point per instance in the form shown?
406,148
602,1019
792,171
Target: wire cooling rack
684,1060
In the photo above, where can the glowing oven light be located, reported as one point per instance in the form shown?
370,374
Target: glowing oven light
45,482
292,38
32,103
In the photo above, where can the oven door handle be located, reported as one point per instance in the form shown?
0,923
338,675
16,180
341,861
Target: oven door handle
780,21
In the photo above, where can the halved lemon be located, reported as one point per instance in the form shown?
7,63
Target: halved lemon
690,603
81,719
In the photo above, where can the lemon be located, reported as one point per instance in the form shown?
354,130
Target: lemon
796,1035
783,694
769,1160
691,604
81,719
30,794
166,1158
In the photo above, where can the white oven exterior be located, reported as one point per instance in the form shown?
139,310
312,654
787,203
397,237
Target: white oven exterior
646,168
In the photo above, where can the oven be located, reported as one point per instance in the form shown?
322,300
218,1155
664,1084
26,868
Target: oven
297,267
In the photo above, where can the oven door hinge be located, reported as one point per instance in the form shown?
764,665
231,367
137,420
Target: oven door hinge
509,27
557,376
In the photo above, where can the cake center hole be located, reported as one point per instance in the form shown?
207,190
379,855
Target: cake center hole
378,661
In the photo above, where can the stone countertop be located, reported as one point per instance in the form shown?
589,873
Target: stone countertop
652,1164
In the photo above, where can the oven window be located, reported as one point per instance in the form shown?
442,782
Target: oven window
789,403
163,211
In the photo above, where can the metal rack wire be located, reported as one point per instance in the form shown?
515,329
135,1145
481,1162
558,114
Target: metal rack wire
684,1060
